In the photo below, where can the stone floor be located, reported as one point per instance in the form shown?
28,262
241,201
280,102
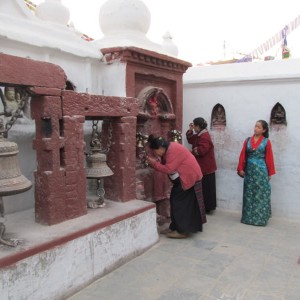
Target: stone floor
228,260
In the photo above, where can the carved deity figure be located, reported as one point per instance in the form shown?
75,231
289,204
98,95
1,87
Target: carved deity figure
218,117
153,106
278,115
10,100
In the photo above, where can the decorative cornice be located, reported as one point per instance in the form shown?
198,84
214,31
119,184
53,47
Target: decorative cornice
145,57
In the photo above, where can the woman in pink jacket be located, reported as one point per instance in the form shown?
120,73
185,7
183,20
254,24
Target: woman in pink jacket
186,200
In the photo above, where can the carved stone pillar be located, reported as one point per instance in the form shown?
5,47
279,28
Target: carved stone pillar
72,160
122,159
49,176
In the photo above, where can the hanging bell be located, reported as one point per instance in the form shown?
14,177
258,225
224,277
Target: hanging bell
11,180
140,143
96,166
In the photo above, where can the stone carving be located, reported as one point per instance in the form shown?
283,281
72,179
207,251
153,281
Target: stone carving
278,116
153,104
10,100
218,116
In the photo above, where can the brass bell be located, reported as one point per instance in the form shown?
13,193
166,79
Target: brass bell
11,180
96,166
140,143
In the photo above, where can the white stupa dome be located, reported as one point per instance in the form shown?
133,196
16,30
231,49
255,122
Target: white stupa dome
53,11
168,44
124,16
125,23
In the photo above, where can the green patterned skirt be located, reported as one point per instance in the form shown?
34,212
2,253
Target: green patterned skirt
257,193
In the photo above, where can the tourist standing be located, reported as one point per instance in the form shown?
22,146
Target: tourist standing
256,166
186,200
203,150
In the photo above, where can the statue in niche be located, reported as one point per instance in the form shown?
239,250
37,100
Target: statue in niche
278,115
155,104
218,117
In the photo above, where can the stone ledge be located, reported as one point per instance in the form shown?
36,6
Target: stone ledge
57,261
36,238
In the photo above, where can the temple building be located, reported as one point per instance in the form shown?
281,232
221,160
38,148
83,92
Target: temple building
76,112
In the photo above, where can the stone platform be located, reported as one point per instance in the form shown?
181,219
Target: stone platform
70,255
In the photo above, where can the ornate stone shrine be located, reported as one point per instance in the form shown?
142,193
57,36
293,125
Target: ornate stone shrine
156,81
60,180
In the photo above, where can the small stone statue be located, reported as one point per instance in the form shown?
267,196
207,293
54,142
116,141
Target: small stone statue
278,116
218,118
11,101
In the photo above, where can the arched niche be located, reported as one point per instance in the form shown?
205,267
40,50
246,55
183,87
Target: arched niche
154,103
155,114
278,115
218,117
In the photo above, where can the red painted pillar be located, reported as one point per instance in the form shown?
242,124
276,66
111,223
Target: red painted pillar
122,160
60,183
73,163
49,176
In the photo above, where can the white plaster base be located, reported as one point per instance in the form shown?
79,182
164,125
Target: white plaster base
64,269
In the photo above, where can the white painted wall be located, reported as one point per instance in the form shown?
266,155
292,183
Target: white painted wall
114,81
248,92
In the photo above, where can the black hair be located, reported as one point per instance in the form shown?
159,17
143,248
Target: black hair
157,142
265,127
200,122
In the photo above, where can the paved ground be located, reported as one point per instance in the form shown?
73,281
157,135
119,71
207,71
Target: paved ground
228,260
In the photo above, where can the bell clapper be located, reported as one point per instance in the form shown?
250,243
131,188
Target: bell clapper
98,203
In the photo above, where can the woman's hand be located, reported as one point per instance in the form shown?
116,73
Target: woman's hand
150,160
191,126
241,173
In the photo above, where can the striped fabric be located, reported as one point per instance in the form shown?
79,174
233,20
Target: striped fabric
199,195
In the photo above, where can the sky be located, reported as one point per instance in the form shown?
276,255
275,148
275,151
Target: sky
205,30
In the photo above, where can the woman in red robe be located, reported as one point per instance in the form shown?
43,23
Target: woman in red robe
203,150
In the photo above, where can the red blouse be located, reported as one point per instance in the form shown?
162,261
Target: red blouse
268,155
203,150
